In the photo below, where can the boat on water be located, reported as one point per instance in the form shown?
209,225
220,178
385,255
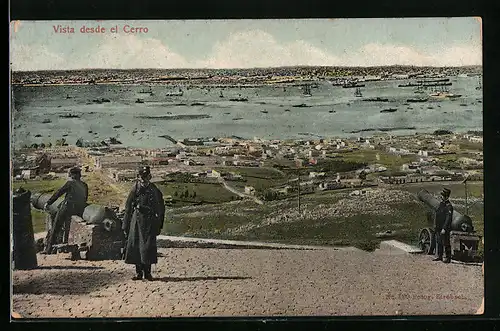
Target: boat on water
358,93
479,84
69,116
146,90
377,99
389,110
179,93
420,89
101,100
438,80
239,99
307,90
425,84
264,111
417,100
139,101
352,85
331,111
441,94
221,95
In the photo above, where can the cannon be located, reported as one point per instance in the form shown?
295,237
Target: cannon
463,239
97,235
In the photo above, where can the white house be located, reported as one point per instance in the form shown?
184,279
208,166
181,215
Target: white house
249,190
316,174
213,174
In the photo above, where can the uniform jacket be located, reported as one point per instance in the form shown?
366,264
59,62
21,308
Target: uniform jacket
444,215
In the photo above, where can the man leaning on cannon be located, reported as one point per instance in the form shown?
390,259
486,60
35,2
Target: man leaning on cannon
442,227
74,203
142,222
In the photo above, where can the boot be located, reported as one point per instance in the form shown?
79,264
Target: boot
139,272
439,258
147,272
447,260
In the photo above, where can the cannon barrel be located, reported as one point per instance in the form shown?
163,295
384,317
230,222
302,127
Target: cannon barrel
92,214
459,222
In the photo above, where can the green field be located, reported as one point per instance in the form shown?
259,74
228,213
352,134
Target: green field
259,178
43,186
391,161
196,192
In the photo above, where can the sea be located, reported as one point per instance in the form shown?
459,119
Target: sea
39,114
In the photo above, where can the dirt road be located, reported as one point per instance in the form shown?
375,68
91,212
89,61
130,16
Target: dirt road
249,282
235,191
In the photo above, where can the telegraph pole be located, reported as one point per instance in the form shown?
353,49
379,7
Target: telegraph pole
298,197
466,204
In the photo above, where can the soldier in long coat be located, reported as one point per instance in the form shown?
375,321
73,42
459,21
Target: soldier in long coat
76,193
143,221
442,227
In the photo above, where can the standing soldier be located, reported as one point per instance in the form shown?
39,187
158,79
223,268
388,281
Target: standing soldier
74,203
442,227
143,221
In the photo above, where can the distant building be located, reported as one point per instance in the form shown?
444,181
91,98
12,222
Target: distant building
316,174
249,190
213,174
62,164
124,176
121,162
423,153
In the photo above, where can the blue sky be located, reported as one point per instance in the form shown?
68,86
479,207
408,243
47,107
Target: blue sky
248,43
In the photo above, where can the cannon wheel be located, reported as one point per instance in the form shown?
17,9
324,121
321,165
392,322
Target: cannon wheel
426,241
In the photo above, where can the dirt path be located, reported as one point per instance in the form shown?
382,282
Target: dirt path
235,191
249,282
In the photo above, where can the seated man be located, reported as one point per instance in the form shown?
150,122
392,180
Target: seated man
74,203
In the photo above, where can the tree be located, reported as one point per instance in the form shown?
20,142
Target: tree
176,194
186,194
194,194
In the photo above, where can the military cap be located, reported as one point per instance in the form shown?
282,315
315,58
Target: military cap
446,192
75,171
144,171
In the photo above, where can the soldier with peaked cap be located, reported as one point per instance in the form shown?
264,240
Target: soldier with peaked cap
442,227
142,222
74,203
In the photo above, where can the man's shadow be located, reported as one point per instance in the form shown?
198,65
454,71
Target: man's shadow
194,279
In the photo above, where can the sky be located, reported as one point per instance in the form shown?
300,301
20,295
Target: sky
35,45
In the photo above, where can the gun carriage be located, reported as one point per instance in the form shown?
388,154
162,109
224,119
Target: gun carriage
464,240
97,235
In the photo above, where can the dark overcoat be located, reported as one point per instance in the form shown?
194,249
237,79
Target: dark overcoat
143,221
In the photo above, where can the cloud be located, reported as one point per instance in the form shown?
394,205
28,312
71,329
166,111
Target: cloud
36,57
130,51
376,54
257,48
254,48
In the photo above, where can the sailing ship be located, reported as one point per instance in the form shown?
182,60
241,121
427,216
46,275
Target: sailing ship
389,110
146,90
221,95
180,93
239,99
444,93
479,84
358,93
420,89
307,90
